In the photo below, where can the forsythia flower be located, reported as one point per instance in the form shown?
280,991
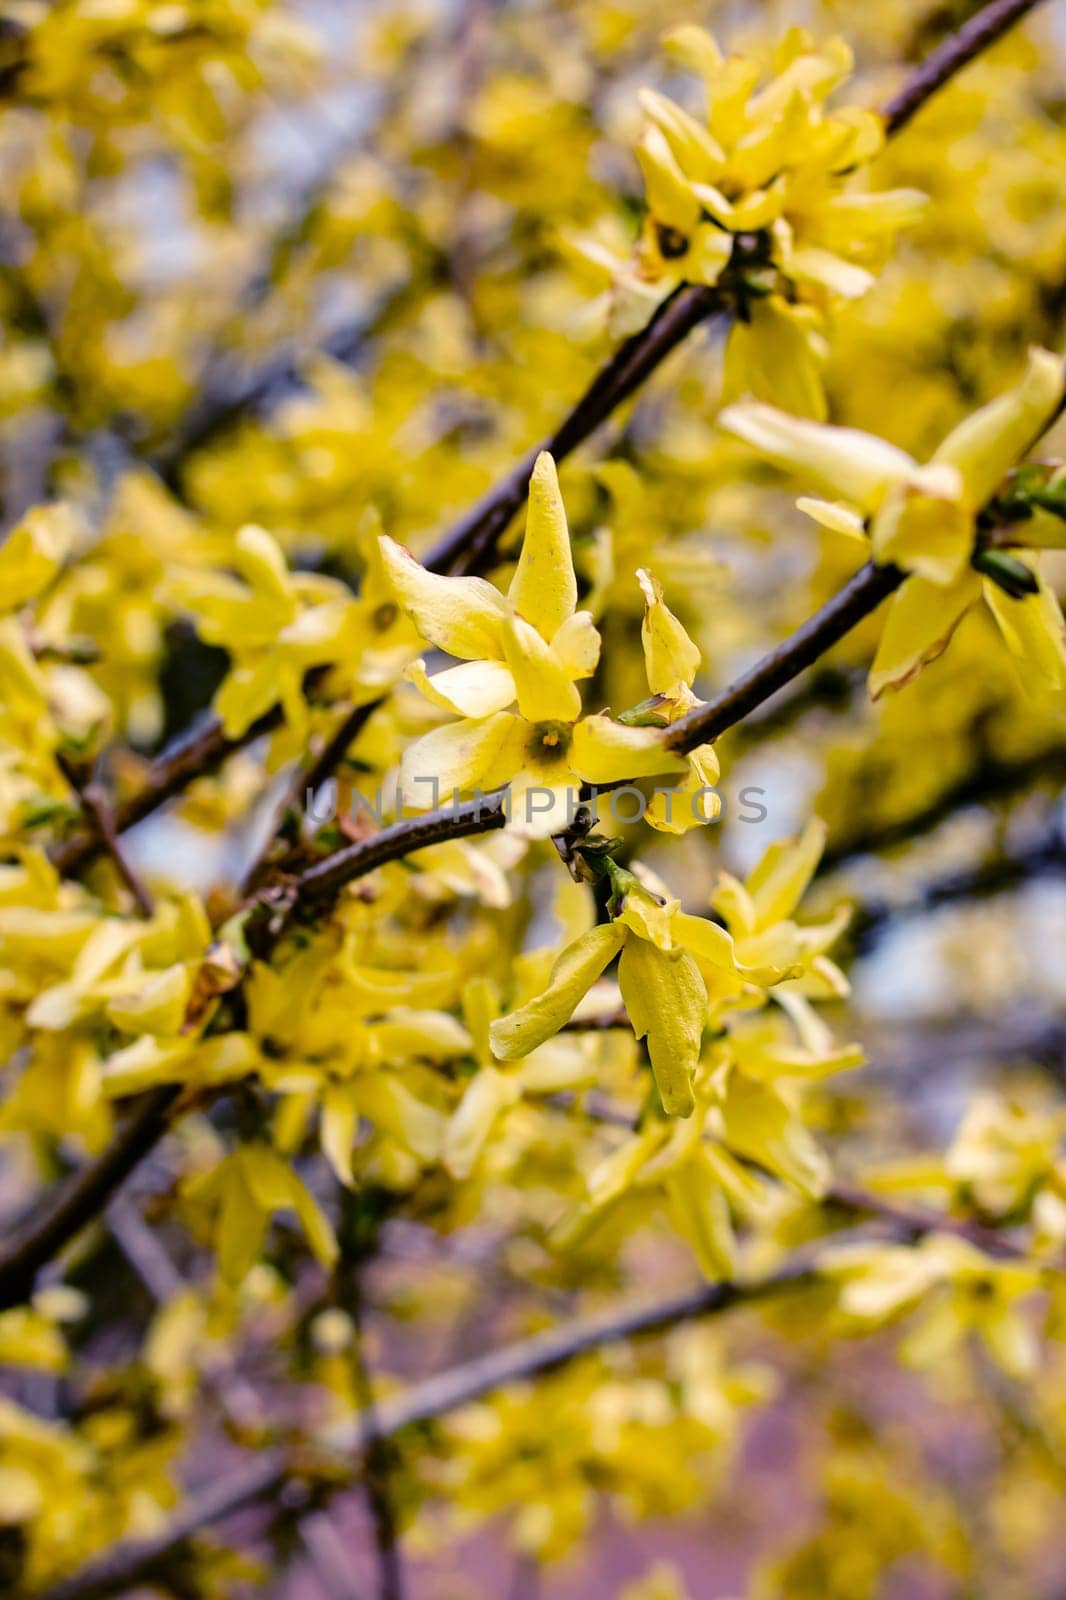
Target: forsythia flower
276,625
559,1064
44,706
960,1289
673,965
246,1188
530,648
671,661
926,519
758,187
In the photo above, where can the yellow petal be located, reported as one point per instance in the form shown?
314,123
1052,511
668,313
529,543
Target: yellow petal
994,439
759,1124
810,265
573,974
670,197
261,561
714,947
604,751
667,1004
780,880
774,354
472,689
695,48
931,536
671,660
699,156
463,616
693,802
544,588
922,617
340,1119
700,1212
542,801
544,689
834,516
488,1094
841,461
576,645
456,757
157,1004
1033,629
33,552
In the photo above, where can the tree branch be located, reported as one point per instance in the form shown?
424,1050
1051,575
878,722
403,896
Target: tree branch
957,51
81,1198
471,542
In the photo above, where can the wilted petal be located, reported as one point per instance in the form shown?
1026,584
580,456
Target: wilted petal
671,660
922,617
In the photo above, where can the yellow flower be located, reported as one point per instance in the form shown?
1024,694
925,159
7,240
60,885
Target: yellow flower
960,1290
529,649
245,1189
754,194
925,519
671,661
667,961
558,1064
275,625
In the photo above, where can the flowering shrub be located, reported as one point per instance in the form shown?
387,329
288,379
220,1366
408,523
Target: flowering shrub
436,865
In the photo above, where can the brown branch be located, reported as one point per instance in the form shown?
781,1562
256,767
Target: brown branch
81,1198
957,51
989,781
95,805
195,756
860,596
470,543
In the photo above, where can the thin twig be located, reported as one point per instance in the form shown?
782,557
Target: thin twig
94,803
956,52
470,543
860,596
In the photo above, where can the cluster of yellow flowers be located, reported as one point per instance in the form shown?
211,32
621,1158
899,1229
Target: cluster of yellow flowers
753,197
